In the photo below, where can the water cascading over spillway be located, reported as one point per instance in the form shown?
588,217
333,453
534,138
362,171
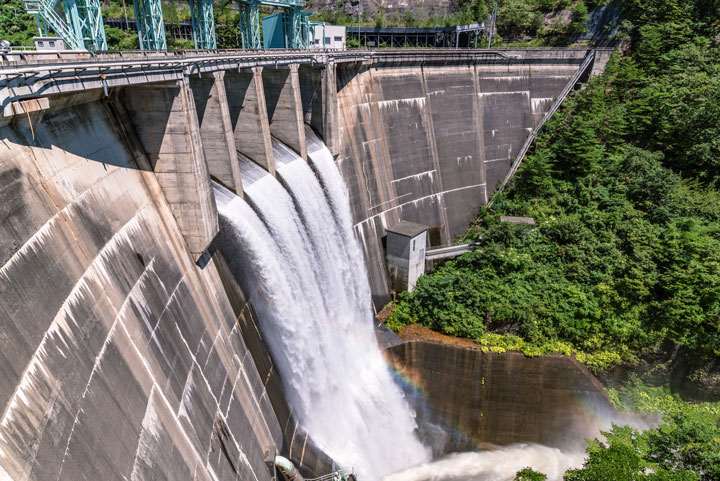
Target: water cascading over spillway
307,279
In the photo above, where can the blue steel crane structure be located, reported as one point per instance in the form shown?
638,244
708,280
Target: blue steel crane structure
78,22
150,25
203,24
295,22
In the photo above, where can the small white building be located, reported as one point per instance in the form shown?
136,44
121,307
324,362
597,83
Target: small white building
49,44
327,36
405,251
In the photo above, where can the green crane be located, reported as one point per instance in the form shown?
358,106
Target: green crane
77,22
203,24
150,25
294,21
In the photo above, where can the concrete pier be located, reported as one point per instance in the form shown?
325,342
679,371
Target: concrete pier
248,115
284,107
331,114
166,122
216,129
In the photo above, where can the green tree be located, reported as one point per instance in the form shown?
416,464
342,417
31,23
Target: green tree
16,25
527,474
623,457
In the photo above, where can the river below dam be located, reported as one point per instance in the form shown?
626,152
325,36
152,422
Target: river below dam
494,465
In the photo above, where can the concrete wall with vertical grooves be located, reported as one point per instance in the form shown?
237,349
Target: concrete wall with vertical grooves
119,358
428,143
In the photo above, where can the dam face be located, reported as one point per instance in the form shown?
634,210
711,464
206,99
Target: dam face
128,349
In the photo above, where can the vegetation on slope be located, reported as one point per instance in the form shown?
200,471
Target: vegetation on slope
623,184
685,447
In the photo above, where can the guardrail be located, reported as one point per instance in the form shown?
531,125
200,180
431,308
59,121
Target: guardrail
451,251
340,475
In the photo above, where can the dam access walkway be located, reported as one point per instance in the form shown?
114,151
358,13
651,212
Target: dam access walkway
25,74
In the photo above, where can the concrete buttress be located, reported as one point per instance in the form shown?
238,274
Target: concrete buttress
216,129
331,129
167,125
248,116
284,107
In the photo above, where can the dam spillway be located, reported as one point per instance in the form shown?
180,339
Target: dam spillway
312,296
128,349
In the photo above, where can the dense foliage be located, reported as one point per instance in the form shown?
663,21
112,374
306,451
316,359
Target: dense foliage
539,21
16,26
527,474
686,447
623,185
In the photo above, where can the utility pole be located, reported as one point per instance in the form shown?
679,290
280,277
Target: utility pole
493,20
127,25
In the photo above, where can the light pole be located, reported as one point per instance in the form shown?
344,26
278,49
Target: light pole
358,30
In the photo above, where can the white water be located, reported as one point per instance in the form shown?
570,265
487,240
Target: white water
496,465
313,304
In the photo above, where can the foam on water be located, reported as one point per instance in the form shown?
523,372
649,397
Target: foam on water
495,465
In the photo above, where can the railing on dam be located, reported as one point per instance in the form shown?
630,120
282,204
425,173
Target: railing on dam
27,74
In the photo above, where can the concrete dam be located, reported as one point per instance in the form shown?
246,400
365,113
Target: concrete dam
190,244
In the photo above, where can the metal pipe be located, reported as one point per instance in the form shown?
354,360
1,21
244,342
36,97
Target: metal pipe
288,470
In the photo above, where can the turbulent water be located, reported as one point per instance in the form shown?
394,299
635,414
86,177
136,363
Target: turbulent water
496,465
309,286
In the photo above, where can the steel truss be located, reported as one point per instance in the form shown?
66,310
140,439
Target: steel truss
203,24
150,25
78,22
295,22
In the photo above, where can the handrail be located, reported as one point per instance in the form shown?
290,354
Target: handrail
534,133
339,475
91,61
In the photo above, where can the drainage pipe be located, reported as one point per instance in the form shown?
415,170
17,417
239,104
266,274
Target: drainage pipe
288,470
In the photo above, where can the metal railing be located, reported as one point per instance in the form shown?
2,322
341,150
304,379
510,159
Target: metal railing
450,251
340,475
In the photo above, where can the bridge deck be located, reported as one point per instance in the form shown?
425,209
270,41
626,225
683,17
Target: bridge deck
32,74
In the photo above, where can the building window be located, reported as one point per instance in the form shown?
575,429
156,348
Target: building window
338,39
413,245
327,40
52,43
40,44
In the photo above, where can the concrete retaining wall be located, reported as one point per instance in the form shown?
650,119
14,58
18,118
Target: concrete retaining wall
127,349
506,398
429,142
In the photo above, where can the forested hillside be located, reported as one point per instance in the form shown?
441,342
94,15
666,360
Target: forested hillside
624,263
623,184
625,260
623,266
